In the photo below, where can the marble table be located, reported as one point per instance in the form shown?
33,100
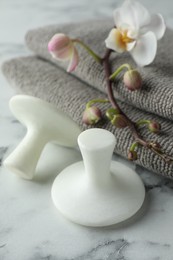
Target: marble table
30,226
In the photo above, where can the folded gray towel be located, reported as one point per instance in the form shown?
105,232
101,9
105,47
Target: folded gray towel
156,95
34,76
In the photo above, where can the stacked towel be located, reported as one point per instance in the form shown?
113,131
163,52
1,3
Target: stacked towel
156,95
45,78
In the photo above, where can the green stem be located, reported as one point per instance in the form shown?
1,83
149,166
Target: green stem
91,52
111,112
93,101
133,146
126,65
142,122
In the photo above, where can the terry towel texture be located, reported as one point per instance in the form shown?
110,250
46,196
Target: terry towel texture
37,77
156,95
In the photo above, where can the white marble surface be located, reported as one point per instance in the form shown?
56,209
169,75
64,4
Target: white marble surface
30,226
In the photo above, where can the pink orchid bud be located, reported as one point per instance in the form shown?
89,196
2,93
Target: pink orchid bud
132,80
58,43
154,126
132,155
119,121
91,115
62,48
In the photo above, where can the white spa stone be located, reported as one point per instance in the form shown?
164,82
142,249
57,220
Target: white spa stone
44,123
97,191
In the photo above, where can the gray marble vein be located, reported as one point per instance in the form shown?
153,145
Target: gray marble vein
30,226
3,150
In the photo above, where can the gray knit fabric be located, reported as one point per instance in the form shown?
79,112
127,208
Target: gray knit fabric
37,77
156,95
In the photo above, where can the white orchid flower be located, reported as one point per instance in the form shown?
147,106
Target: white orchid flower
137,32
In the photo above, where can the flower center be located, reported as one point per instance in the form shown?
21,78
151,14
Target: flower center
125,39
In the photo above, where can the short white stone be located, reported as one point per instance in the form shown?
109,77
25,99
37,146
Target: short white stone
97,192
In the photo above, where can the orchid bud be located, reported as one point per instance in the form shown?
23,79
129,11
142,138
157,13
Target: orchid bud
58,43
154,126
119,121
62,48
92,115
132,80
132,155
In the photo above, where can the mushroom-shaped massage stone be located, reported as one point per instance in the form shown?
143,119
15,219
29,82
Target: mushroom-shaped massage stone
44,123
97,191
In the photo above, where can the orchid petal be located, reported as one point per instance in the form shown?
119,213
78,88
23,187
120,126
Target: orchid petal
132,34
58,42
114,42
131,13
145,49
157,26
66,53
130,46
74,61
118,18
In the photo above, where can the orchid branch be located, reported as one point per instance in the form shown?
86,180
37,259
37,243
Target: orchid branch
154,147
128,35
